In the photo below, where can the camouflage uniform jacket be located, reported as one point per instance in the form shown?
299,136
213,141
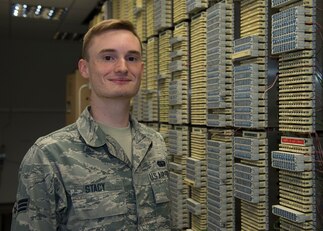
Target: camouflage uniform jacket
77,178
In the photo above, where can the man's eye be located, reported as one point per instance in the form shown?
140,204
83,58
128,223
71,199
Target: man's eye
109,58
133,59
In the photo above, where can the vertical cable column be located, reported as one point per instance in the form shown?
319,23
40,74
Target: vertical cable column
150,18
140,18
196,178
152,73
178,139
251,179
179,85
198,66
220,199
163,14
293,40
250,114
116,8
164,76
219,64
179,11
124,9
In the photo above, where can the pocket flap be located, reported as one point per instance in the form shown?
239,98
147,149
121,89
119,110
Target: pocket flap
161,192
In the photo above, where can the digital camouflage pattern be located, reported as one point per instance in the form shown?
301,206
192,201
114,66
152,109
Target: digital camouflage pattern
78,178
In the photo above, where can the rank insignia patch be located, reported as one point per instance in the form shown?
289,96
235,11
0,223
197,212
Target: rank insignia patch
21,205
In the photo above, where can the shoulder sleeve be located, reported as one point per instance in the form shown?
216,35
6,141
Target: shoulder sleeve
163,149
163,144
36,200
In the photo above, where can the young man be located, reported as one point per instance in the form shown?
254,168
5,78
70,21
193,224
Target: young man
106,171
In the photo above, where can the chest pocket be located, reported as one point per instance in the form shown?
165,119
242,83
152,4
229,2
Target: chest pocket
153,205
106,203
160,192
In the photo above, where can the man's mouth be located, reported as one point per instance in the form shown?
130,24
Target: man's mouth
120,80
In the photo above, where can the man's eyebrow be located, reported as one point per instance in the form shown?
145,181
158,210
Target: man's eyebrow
135,52
107,50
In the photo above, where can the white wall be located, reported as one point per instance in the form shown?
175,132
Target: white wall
32,98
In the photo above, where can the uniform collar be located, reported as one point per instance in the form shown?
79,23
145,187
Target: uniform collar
95,137
90,130
142,142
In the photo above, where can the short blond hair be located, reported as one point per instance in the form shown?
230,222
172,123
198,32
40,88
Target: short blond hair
104,26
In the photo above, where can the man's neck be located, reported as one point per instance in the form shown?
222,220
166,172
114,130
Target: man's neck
112,113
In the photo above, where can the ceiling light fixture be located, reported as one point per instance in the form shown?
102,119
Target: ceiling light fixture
37,12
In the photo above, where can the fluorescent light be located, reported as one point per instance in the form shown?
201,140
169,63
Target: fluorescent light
37,12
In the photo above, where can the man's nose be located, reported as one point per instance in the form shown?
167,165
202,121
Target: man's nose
121,65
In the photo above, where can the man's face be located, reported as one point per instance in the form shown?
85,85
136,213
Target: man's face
114,66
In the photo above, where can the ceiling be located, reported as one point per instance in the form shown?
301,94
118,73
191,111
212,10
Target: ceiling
41,29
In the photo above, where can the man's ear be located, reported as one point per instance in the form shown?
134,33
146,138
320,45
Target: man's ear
83,68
